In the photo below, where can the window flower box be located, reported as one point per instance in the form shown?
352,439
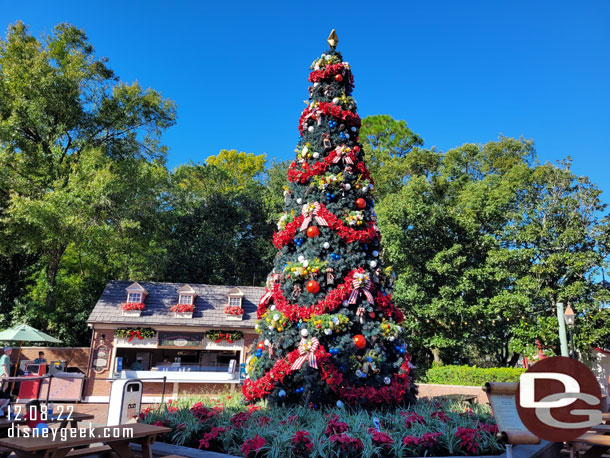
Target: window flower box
234,312
182,310
132,309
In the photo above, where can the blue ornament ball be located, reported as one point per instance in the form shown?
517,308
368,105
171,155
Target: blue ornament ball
340,404
42,427
281,393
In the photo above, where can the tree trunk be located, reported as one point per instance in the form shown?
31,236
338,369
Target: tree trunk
437,356
52,269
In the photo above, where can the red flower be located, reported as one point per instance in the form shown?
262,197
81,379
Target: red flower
253,445
428,440
301,443
347,444
208,437
127,306
263,420
490,429
380,439
182,308
410,440
233,310
335,426
412,418
468,439
442,416
202,413
239,419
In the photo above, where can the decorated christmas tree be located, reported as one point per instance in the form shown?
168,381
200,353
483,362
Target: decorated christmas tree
328,330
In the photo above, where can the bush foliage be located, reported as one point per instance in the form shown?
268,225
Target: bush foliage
471,375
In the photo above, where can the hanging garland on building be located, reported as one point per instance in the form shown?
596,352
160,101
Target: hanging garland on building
139,333
219,335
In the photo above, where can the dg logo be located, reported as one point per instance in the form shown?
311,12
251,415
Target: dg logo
559,399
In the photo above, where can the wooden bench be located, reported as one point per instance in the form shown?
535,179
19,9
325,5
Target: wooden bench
102,450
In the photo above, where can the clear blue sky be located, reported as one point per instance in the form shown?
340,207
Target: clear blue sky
456,71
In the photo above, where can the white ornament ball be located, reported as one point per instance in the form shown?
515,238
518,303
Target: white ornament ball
347,136
354,129
364,189
305,263
336,100
347,186
301,258
392,338
316,155
328,331
310,129
340,404
276,317
271,328
267,342
375,253
326,245
345,303
256,328
387,380
316,84
373,264
272,308
304,332
299,201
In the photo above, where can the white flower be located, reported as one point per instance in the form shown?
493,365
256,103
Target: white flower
328,332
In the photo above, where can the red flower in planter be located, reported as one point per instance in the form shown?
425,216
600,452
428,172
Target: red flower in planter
380,439
239,419
252,446
469,439
208,437
202,413
301,444
335,426
263,421
428,440
489,429
410,440
233,310
182,308
347,444
128,306
442,416
412,418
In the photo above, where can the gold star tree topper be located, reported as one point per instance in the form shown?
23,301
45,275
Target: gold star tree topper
333,39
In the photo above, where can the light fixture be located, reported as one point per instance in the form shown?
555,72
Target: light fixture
569,316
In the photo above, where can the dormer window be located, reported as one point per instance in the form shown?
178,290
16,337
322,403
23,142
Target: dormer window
185,299
235,301
134,297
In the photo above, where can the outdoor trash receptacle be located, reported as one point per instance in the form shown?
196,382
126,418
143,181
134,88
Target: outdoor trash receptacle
125,400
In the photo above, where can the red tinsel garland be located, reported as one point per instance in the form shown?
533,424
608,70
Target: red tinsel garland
331,302
394,392
330,71
314,112
320,167
347,233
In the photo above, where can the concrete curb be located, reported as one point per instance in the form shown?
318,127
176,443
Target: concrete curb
543,450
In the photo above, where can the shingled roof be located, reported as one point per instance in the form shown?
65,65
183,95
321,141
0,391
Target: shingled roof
209,305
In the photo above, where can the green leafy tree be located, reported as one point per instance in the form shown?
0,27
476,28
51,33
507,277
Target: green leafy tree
76,148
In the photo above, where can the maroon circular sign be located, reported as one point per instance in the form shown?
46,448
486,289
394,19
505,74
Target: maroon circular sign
559,399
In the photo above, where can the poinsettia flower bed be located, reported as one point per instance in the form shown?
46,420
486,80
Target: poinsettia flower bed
233,310
224,424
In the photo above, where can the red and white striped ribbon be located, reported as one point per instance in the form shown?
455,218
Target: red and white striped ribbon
307,351
310,211
360,286
342,153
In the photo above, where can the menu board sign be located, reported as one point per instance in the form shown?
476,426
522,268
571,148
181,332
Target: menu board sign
101,358
180,340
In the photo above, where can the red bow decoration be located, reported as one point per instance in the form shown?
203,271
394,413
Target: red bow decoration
266,297
133,334
309,212
342,152
307,350
222,336
360,283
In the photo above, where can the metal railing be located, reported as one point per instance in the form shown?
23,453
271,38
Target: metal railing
30,378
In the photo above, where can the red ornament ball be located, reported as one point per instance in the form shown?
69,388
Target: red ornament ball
260,346
360,203
356,149
313,232
313,286
359,341
338,78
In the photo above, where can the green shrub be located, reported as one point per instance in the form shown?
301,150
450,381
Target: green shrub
471,375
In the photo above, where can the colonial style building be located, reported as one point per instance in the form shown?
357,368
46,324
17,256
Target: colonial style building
196,336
